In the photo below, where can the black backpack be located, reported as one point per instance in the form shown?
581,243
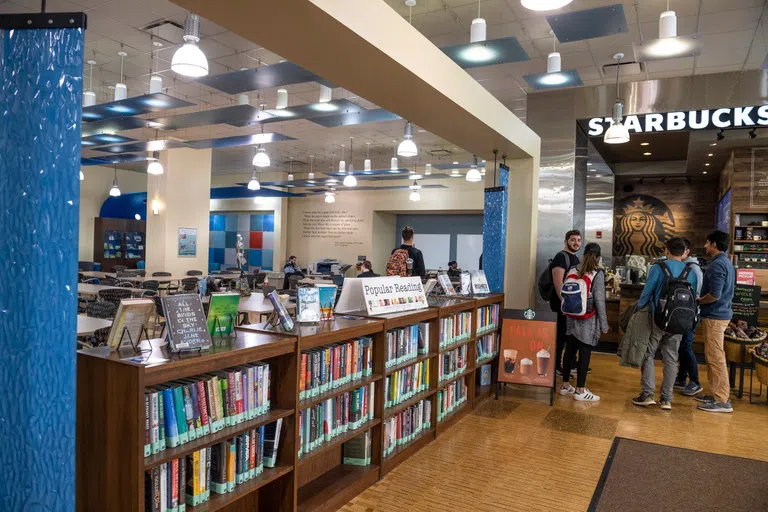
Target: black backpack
545,285
677,311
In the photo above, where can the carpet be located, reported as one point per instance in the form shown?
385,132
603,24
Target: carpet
648,477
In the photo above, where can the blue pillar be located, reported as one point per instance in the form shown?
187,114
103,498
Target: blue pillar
495,232
40,112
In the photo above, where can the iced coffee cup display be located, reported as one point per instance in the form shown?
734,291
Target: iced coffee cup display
542,362
510,356
526,366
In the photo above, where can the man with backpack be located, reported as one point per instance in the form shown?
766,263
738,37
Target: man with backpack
670,289
551,284
406,260
688,374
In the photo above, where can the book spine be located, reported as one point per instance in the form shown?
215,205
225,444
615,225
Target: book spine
181,417
267,388
239,406
155,423
164,487
171,426
225,402
232,397
303,379
147,425
207,473
202,405
231,464
174,474
189,412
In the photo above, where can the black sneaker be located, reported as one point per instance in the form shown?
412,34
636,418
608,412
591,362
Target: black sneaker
704,398
679,385
644,400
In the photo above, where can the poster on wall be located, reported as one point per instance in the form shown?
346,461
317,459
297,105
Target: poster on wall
528,347
187,242
642,224
392,294
724,213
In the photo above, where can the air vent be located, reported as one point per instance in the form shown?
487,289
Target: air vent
294,162
439,152
625,69
168,31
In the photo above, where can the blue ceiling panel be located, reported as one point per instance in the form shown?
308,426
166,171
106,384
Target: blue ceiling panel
560,79
240,140
309,111
93,161
487,53
234,115
104,138
118,124
150,145
238,192
375,115
119,159
275,75
134,106
589,23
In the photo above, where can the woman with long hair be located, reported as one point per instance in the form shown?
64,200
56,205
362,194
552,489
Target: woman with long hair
582,334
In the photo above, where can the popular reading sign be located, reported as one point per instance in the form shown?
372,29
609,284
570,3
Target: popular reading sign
728,117
392,294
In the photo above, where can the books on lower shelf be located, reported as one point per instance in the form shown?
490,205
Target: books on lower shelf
403,384
357,451
455,328
487,347
450,398
217,469
183,410
330,418
404,426
406,343
326,368
487,318
452,363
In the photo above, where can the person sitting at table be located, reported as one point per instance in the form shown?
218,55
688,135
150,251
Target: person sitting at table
291,268
368,270
454,272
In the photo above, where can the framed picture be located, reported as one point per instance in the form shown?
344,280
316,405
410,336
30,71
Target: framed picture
187,242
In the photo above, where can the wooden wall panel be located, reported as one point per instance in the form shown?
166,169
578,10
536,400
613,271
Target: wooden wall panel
742,183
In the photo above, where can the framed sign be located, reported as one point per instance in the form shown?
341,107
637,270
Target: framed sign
746,303
187,325
528,348
393,294
187,242
746,276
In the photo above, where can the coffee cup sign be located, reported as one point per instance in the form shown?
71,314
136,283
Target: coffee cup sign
526,348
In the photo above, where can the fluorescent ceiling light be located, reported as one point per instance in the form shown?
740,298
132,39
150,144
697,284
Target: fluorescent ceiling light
189,60
324,107
478,53
544,5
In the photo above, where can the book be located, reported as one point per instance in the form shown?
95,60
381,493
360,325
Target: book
307,305
327,297
465,280
222,313
455,328
445,284
479,282
485,375
357,451
131,316
406,425
282,314
271,442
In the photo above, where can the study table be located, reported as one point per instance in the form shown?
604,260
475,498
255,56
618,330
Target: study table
160,279
94,289
87,325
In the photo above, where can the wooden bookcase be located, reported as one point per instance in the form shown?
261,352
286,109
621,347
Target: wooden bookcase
110,402
483,392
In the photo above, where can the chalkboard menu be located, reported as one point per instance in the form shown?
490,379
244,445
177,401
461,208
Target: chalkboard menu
746,303
187,326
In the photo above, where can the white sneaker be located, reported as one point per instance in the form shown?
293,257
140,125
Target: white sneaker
567,391
586,396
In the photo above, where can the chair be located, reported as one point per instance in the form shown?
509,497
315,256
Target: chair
150,284
124,284
159,313
82,279
109,281
293,284
165,287
118,268
189,285
101,309
194,273
233,269
114,295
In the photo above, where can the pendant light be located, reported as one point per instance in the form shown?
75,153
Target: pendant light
155,167
544,5
477,30
349,179
290,169
282,99
155,80
342,162
326,94
261,158
189,60
394,166
415,196
115,190
553,76
667,24
311,175
121,90
407,147
330,196
367,163
473,175
254,183
89,97
617,133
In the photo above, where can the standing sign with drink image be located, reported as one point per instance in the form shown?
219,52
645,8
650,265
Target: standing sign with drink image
527,347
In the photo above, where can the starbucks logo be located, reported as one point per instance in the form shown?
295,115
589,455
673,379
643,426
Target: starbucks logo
529,314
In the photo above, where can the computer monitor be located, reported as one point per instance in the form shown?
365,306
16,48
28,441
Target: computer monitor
338,280
361,258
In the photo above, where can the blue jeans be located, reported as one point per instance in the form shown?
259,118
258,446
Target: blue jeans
689,368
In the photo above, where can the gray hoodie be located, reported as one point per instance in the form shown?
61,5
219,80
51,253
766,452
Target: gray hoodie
696,269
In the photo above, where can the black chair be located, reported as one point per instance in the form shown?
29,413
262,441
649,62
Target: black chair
109,281
101,309
266,290
166,287
150,284
114,295
118,268
258,280
194,273
86,280
189,285
159,313
293,284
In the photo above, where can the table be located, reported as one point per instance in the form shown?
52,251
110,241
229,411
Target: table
87,325
94,289
96,274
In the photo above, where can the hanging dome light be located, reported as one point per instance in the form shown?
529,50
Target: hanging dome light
115,190
415,196
367,163
342,162
89,97
155,81
261,158
121,90
667,24
330,196
407,147
393,166
82,176
477,30
617,133
473,175
544,5
349,179
311,175
254,183
155,167
189,60
282,99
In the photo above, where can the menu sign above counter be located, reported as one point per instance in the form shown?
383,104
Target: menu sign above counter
392,294
187,326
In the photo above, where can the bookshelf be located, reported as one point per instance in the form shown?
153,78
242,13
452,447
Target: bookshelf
110,428
483,392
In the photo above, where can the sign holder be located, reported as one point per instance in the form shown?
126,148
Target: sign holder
231,328
136,345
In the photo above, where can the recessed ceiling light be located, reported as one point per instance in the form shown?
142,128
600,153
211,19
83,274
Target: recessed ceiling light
544,5
647,153
705,172
644,143
711,154
707,165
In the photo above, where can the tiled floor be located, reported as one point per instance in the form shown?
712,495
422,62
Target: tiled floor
519,454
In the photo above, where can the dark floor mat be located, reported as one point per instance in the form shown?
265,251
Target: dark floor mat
646,477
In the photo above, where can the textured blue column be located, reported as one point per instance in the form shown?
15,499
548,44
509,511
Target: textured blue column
40,112
495,232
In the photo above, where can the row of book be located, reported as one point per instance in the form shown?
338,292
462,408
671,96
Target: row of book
450,398
326,368
452,363
403,384
406,343
186,409
216,469
357,451
404,426
487,318
487,347
330,418
455,328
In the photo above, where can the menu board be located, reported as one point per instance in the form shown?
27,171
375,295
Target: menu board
392,294
187,325
528,348
746,303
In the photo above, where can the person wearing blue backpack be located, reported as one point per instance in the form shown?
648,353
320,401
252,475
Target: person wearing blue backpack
583,304
670,289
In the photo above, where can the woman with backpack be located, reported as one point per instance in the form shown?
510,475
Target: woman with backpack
583,304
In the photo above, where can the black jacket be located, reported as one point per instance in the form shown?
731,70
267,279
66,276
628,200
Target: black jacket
418,260
368,273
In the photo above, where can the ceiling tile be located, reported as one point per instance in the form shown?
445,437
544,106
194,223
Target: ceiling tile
493,11
729,21
434,23
711,6
722,57
683,66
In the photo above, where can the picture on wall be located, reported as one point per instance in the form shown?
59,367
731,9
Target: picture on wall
642,225
257,230
187,242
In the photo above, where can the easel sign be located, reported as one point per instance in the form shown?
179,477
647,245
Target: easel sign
130,324
527,353
392,294
222,313
187,325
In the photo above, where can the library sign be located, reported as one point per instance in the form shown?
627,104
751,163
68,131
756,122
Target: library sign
728,117
392,294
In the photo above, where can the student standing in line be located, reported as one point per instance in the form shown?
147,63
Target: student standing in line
562,261
659,282
689,368
398,261
584,334
716,301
